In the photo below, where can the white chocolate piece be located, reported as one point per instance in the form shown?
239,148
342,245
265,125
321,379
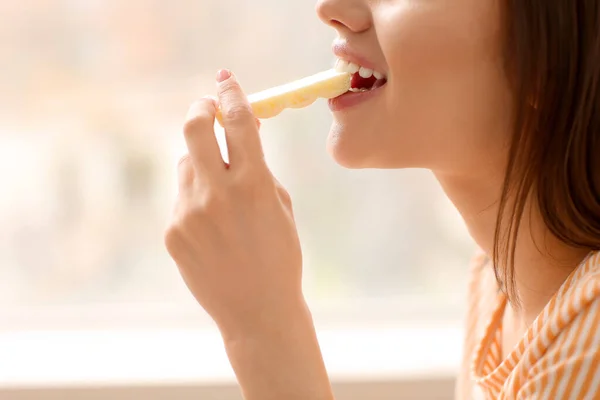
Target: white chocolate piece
298,94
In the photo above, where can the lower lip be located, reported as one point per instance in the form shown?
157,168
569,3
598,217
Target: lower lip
351,99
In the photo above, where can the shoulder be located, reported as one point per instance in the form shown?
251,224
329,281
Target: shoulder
569,366
580,299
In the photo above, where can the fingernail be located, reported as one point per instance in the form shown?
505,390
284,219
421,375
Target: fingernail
223,75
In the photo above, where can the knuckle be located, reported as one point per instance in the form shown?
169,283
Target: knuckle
241,186
213,204
185,171
200,121
192,215
284,196
189,214
195,212
238,111
194,125
173,237
207,203
230,88
184,163
252,183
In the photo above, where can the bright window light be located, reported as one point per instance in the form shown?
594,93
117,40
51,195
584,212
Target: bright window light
91,108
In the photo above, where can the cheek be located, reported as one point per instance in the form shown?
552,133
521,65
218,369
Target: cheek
445,79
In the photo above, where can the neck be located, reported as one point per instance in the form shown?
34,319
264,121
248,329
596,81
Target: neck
542,263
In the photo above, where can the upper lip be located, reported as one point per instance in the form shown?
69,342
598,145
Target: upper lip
343,50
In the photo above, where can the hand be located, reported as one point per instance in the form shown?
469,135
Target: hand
234,240
232,233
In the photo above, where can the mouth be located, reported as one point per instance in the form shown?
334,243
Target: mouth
363,79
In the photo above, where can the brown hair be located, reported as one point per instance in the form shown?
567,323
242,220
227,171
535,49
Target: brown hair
553,62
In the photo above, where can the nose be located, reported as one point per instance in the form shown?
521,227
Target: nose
345,15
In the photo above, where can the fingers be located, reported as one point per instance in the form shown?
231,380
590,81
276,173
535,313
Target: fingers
241,128
185,172
201,141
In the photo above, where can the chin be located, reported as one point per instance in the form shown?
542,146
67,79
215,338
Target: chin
355,150
346,150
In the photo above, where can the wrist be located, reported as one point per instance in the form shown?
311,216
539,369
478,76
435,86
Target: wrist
281,359
275,319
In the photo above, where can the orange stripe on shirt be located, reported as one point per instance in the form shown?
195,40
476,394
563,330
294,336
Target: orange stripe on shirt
558,357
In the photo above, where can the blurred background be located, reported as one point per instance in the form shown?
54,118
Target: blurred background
92,98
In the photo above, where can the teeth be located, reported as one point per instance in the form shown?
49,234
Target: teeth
353,68
365,72
341,65
345,66
355,90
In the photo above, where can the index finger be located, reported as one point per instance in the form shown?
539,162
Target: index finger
241,130
201,140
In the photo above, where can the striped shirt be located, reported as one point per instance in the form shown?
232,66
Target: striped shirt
557,358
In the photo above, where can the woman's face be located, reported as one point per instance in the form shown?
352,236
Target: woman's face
446,103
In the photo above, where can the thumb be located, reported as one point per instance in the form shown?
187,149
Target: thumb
241,131
235,107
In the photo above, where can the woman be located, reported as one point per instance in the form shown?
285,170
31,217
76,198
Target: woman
500,99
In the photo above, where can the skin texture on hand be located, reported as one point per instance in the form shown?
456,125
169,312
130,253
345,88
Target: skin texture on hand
233,237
